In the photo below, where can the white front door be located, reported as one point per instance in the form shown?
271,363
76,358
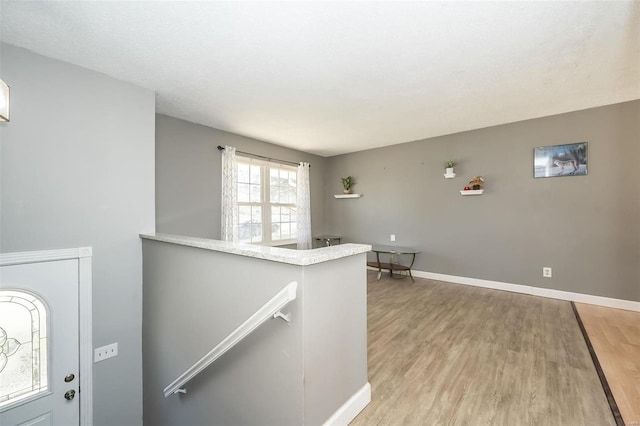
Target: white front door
39,352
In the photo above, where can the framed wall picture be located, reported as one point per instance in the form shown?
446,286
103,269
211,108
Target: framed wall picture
560,160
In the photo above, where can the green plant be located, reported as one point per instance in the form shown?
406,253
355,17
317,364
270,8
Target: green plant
449,164
347,183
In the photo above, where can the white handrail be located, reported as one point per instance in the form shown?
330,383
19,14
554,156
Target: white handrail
271,309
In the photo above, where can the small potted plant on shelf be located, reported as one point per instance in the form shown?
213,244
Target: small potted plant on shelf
347,183
448,168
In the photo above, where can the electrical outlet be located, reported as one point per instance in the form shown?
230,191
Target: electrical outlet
546,271
393,237
105,352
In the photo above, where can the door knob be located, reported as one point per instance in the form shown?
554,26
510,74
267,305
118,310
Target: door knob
69,395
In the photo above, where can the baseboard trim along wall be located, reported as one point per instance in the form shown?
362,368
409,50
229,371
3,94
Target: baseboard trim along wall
350,409
628,305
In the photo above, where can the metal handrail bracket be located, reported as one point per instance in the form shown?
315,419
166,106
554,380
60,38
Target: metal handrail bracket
269,310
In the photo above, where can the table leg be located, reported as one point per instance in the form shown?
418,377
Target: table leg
411,266
391,260
379,265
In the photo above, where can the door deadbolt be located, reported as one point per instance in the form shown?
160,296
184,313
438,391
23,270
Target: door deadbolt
69,395
69,377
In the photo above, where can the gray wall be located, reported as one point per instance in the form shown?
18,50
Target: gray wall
193,298
77,169
587,228
188,176
335,335
280,374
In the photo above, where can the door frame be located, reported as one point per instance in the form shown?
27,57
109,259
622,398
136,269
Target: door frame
85,318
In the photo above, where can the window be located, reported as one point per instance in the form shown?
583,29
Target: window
266,202
23,346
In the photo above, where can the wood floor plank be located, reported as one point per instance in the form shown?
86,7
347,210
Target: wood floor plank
615,337
442,353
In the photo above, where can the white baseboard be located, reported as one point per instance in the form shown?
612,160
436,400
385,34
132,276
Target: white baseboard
350,409
628,305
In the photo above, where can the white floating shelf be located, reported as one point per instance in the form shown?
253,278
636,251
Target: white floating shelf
472,192
348,195
449,175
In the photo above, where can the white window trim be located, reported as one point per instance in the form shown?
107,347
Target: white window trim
266,204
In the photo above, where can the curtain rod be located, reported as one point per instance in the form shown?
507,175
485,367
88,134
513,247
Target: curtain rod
221,148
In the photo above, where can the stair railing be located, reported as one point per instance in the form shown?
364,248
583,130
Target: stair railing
271,309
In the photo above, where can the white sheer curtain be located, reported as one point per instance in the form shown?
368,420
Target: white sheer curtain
304,207
229,231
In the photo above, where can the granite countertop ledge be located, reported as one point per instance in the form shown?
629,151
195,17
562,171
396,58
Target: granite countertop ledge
275,254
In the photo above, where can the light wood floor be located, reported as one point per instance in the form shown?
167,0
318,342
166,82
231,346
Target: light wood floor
442,353
615,337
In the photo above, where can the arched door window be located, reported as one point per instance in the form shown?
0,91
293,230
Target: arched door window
23,346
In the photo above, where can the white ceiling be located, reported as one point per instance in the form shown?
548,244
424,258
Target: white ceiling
337,77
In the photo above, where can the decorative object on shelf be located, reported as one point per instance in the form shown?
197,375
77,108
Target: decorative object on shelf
347,184
560,160
448,169
348,195
4,101
476,183
475,186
